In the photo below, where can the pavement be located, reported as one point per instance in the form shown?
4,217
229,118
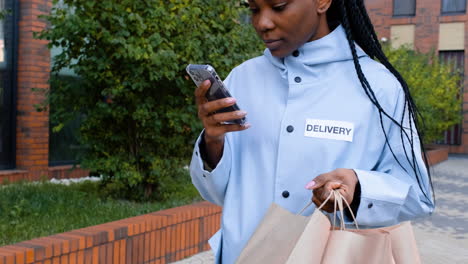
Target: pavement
442,237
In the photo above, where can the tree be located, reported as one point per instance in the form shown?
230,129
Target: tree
134,99
435,87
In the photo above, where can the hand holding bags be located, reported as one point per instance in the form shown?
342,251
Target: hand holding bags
283,237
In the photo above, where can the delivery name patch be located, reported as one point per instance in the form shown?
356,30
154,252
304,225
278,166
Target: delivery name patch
329,129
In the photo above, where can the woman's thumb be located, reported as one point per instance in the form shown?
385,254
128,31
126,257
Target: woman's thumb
318,182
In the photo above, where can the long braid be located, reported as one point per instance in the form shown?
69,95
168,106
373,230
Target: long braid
366,29
365,84
363,34
353,17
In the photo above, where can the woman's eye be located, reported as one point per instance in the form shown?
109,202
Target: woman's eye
279,8
253,10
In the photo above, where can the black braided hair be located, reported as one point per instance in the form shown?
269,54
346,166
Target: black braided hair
353,17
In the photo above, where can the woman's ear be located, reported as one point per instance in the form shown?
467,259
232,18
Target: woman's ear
323,5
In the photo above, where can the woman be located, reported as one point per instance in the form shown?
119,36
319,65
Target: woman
323,115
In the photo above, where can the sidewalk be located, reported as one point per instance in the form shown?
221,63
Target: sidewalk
442,237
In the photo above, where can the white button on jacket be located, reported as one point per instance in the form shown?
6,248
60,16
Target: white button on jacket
309,115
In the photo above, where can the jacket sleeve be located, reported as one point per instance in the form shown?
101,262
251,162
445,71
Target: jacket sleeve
390,192
211,184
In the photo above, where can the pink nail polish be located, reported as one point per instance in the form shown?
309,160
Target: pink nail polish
310,185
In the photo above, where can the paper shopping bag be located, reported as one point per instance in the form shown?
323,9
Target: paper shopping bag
388,245
313,240
275,237
340,246
402,240
352,247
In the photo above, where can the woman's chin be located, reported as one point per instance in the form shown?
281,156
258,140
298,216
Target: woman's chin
278,53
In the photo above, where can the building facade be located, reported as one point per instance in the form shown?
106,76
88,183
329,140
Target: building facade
429,25
25,70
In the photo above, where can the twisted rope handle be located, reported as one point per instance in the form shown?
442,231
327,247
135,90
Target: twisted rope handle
311,202
338,201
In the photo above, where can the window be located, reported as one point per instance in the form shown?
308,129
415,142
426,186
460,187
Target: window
453,136
64,146
402,35
453,6
404,7
8,32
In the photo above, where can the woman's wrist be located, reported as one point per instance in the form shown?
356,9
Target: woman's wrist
211,149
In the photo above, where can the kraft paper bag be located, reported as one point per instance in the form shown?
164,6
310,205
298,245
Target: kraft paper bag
293,232
313,240
275,237
396,244
403,242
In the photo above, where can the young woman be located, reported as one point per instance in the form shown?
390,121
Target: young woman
323,114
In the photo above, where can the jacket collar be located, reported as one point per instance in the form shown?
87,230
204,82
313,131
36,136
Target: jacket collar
331,48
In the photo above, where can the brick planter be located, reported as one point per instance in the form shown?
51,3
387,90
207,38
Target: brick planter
437,154
161,237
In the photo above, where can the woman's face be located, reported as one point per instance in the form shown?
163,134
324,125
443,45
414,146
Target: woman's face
285,25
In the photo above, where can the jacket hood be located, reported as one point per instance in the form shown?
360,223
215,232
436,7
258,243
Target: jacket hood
329,49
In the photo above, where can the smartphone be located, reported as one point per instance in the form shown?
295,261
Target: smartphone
199,74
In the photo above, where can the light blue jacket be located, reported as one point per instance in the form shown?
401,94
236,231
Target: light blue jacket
309,115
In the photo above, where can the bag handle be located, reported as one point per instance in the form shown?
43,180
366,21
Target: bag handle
338,202
311,202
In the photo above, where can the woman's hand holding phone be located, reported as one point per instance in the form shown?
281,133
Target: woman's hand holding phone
214,125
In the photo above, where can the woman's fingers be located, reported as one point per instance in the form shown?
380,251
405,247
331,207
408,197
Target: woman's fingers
321,194
224,117
343,180
208,108
219,130
235,127
200,92
214,124
205,107
328,207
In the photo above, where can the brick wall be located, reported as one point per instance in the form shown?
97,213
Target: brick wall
437,154
32,131
426,21
161,237
32,127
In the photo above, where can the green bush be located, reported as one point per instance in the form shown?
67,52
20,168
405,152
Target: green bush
135,101
435,87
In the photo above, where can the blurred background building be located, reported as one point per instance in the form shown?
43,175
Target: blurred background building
427,26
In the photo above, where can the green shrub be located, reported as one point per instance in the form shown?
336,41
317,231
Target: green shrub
435,87
135,101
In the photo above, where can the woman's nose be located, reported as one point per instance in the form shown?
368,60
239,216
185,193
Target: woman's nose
265,23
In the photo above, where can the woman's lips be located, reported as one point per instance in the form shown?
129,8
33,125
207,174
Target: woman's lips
273,44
